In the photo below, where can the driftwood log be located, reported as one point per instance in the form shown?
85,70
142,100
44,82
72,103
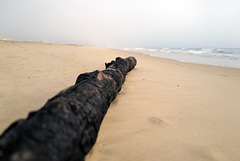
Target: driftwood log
66,127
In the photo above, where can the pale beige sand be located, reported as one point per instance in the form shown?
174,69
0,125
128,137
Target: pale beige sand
167,110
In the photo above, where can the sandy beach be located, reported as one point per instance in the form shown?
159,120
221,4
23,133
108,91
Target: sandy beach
166,110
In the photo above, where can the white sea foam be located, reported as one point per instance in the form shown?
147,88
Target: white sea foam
211,56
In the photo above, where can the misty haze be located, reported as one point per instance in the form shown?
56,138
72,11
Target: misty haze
149,24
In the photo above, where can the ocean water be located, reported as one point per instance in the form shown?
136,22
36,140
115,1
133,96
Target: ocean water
211,56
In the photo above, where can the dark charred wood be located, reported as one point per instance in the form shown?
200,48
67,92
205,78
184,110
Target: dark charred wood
66,127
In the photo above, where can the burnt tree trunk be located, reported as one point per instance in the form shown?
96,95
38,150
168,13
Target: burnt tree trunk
66,127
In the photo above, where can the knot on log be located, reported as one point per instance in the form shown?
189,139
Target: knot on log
66,127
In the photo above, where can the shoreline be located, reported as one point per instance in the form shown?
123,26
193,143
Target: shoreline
165,110
49,43
174,59
187,55
123,50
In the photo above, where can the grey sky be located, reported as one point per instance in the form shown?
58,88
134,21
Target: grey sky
124,23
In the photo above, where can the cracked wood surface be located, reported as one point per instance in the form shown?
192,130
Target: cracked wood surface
66,127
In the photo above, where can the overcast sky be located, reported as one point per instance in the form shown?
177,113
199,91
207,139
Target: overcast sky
124,23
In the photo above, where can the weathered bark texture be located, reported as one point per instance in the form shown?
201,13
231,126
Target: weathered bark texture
66,127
